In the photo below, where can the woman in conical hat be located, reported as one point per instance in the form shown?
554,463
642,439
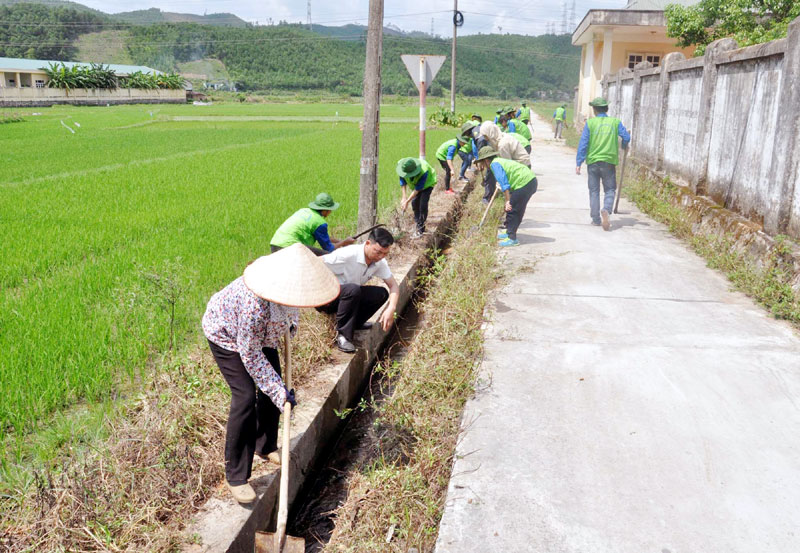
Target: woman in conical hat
244,323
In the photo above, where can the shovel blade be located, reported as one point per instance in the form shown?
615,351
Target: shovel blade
266,542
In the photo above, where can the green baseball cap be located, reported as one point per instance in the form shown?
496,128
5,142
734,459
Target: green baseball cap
599,102
323,201
408,167
486,151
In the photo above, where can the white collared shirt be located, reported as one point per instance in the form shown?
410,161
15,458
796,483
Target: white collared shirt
350,266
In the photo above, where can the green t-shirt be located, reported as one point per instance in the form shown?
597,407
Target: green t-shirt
521,128
603,132
299,227
525,113
511,174
441,153
522,140
427,169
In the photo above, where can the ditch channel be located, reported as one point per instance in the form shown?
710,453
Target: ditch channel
357,443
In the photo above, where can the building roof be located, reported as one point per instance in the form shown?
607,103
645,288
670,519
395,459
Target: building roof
22,64
656,4
621,21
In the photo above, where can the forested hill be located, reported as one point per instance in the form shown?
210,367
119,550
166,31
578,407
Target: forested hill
290,57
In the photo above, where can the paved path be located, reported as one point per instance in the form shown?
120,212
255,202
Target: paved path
629,402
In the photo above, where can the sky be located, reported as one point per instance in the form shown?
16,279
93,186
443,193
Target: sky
529,17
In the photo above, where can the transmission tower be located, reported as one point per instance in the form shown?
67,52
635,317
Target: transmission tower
310,28
432,35
564,18
572,21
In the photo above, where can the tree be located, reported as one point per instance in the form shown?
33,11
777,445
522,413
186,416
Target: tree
747,21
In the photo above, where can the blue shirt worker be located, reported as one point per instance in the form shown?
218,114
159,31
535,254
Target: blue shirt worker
598,148
421,176
524,113
518,184
308,225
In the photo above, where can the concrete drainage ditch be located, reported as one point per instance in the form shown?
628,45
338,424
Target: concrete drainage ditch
222,525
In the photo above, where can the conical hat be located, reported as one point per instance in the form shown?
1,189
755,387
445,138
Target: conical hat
292,276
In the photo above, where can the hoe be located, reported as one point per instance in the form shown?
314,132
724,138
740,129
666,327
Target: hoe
278,541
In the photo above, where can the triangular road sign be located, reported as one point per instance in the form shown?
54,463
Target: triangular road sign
432,66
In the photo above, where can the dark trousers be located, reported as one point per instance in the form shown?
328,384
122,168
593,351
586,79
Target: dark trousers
252,419
519,201
447,173
466,159
420,207
354,306
316,251
528,148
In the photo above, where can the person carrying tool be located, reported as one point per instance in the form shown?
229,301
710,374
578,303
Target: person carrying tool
244,324
517,182
506,147
560,117
422,176
307,225
353,267
598,147
445,154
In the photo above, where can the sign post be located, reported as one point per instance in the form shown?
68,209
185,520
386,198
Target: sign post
423,70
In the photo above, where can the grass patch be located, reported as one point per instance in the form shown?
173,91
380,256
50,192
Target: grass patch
768,282
400,488
569,133
10,118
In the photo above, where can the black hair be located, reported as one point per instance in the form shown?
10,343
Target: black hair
502,119
600,109
381,236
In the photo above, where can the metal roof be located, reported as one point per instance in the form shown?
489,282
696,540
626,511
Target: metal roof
22,64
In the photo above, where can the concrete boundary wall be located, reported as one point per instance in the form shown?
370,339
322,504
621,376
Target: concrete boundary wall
725,125
222,525
42,97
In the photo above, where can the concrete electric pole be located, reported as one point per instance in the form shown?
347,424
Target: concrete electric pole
368,187
453,58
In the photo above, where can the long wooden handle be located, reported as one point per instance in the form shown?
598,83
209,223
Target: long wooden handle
363,232
621,179
283,496
486,212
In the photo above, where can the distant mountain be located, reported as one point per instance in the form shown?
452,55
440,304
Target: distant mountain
154,15
53,3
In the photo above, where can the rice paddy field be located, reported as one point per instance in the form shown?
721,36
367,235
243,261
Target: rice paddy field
116,231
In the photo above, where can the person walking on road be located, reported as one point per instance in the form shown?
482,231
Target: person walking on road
422,176
598,147
244,324
560,117
517,182
356,303
445,154
308,225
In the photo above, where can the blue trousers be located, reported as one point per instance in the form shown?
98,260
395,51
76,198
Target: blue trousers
466,159
607,173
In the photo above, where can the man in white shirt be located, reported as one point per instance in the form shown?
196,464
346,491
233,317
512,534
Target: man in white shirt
354,266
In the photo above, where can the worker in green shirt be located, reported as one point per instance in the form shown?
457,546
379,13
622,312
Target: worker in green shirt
524,113
445,154
598,147
560,117
522,140
517,182
513,124
421,175
477,118
308,225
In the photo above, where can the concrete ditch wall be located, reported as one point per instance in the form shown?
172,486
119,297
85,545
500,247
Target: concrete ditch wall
222,525
725,125
42,97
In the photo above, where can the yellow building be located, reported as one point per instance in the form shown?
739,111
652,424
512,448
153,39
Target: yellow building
614,39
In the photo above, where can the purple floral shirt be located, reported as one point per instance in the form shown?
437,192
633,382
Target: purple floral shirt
238,320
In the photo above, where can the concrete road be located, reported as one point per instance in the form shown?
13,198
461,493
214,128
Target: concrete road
629,401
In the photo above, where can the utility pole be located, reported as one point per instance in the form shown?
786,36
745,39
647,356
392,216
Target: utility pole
453,59
310,28
368,186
